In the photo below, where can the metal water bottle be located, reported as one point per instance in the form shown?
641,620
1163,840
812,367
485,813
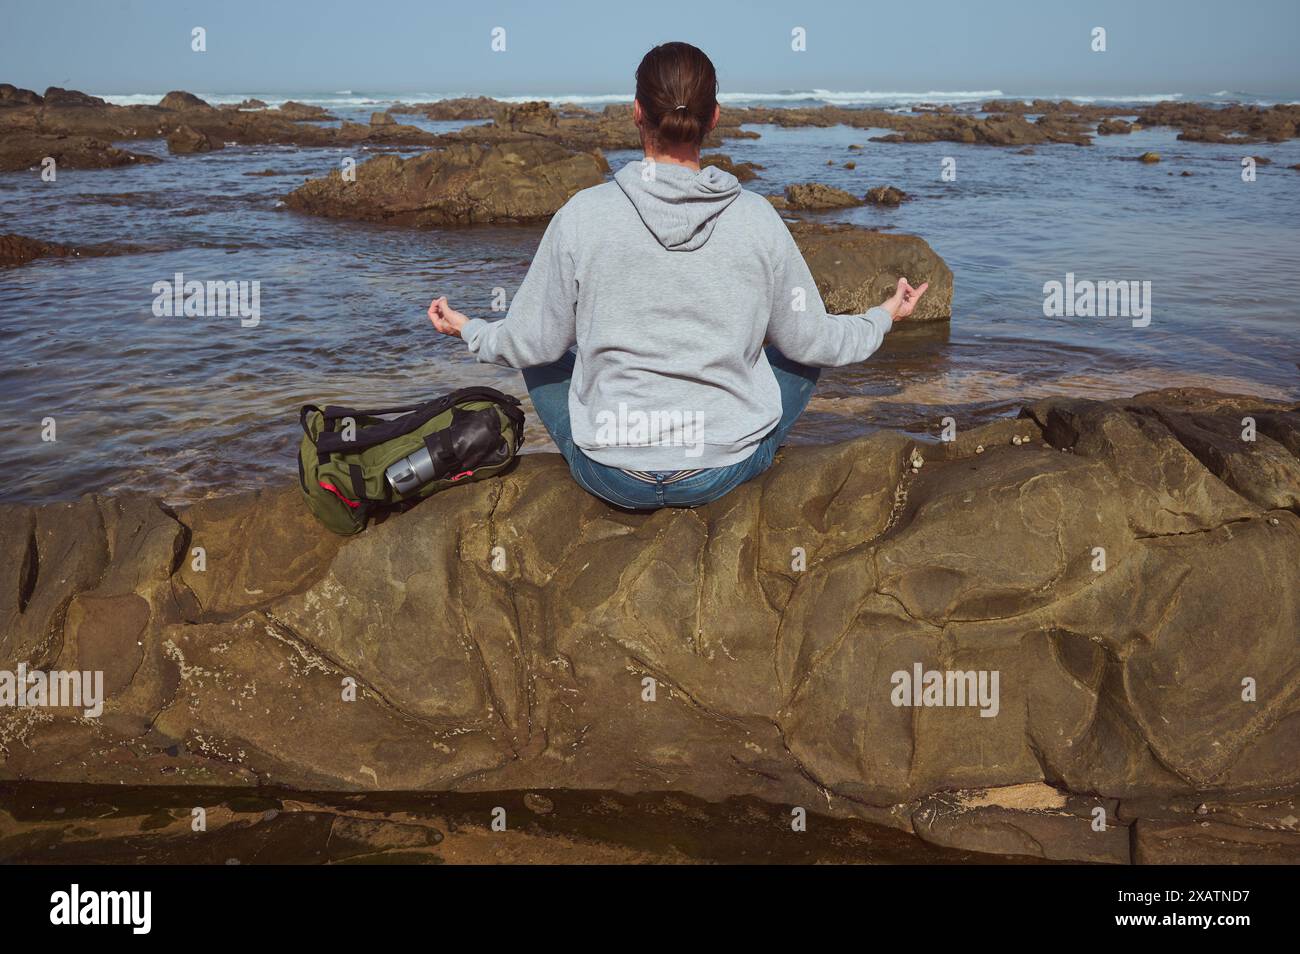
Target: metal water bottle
410,473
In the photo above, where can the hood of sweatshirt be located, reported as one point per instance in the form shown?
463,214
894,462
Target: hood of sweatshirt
679,206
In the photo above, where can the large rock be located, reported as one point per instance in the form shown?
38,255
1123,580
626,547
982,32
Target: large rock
1233,123
58,96
181,100
817,196
24,150
574,128
1142,617
304,112
73,114
856,269
186,140
535,117
743,171
11,95
463,183
887,195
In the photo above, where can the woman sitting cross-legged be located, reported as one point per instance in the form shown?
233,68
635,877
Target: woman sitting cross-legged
668,329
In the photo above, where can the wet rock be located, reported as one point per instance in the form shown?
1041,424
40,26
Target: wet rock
814,196
108,123
856,269
1208,842
1052,107
538,804
18,250
1032,819
186,140
20,151
1114,127
743,171
352,837
1149,157
381,119
887,196
1000,129
1227,124
463,183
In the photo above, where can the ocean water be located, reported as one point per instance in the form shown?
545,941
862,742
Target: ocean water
190,407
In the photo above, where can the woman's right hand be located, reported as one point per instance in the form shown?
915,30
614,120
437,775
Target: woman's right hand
903,301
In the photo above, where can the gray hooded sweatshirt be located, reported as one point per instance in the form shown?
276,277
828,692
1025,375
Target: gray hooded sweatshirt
668,281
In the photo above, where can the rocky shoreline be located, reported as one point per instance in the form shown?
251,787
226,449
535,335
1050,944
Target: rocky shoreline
520,636
81,126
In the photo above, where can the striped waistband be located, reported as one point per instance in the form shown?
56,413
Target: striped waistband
656,476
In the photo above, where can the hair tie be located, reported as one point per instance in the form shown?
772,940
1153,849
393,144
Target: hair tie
683,106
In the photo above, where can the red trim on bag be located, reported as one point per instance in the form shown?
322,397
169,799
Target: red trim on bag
335,491
463,473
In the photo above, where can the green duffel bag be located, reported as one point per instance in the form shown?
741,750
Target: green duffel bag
353,464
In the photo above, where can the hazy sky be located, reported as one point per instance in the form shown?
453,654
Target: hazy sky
1018,46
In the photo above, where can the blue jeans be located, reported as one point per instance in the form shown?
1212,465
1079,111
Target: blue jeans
548,386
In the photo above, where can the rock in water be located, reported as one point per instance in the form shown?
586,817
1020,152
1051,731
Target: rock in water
814,196
26,150
1115,127
534,117
382,119
1116,685
856,269
463,183
19,250
743,171
186,140
887,196
301,111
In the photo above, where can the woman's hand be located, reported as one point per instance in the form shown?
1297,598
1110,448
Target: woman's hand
445,318
904,299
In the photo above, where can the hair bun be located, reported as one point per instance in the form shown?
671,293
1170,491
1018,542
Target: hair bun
677,88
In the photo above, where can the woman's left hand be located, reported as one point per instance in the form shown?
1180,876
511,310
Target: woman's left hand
445,318
904,299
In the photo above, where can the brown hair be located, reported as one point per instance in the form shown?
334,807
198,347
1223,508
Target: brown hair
677,88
